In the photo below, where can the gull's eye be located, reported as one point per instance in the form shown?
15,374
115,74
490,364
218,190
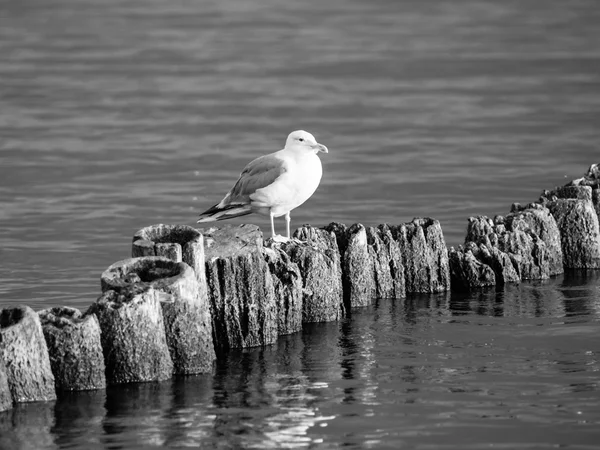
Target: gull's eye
301,139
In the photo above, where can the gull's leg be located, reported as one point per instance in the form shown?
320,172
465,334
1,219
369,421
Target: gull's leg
272,225
287,223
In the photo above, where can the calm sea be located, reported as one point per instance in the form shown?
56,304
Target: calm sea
118,114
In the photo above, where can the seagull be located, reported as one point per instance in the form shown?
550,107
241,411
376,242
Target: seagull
274,184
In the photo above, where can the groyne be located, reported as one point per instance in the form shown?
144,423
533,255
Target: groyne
187,295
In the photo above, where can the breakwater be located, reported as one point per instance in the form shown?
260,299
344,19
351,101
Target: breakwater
188,295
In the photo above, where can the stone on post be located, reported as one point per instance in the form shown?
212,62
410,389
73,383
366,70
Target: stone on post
467,272
577,221
75,349
23,350
287,283
316,253
424,255
240,288
5,396
185,311
176,242
133,335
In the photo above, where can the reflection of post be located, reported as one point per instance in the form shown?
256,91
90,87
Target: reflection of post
142,405
28,425
82,410
192,395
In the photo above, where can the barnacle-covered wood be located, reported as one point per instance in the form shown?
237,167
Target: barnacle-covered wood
176,242
577,221
186,311
240,288
386,260
23,350
133,337
316,253
74,347
287,284
424,255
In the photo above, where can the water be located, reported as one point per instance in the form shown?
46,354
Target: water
120,114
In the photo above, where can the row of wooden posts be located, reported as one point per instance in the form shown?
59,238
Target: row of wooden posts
187,295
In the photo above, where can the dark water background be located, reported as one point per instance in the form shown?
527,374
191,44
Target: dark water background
115,115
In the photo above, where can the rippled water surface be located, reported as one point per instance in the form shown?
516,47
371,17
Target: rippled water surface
115,115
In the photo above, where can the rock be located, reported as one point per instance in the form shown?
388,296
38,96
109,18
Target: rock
316,253
287,284
133,334
23,350
75,349
180,243
185,307
5,395
424,255
467,272
240,288
577,221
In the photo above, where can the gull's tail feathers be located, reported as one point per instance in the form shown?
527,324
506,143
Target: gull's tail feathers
219,212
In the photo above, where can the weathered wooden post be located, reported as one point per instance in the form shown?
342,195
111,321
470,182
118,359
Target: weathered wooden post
185,308
180,243
23,350
240,288
287,284
133,335
75,349
316,253
577,221
5,396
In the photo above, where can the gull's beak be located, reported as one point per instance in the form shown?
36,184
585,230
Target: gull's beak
320,148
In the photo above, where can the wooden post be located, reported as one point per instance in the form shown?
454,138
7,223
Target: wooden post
5,396
74,347
25,354
133,335
424,255
240,288
577,221
287,284
185,310
316,253
176,242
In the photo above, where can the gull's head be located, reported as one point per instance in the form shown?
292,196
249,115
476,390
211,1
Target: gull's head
303,140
